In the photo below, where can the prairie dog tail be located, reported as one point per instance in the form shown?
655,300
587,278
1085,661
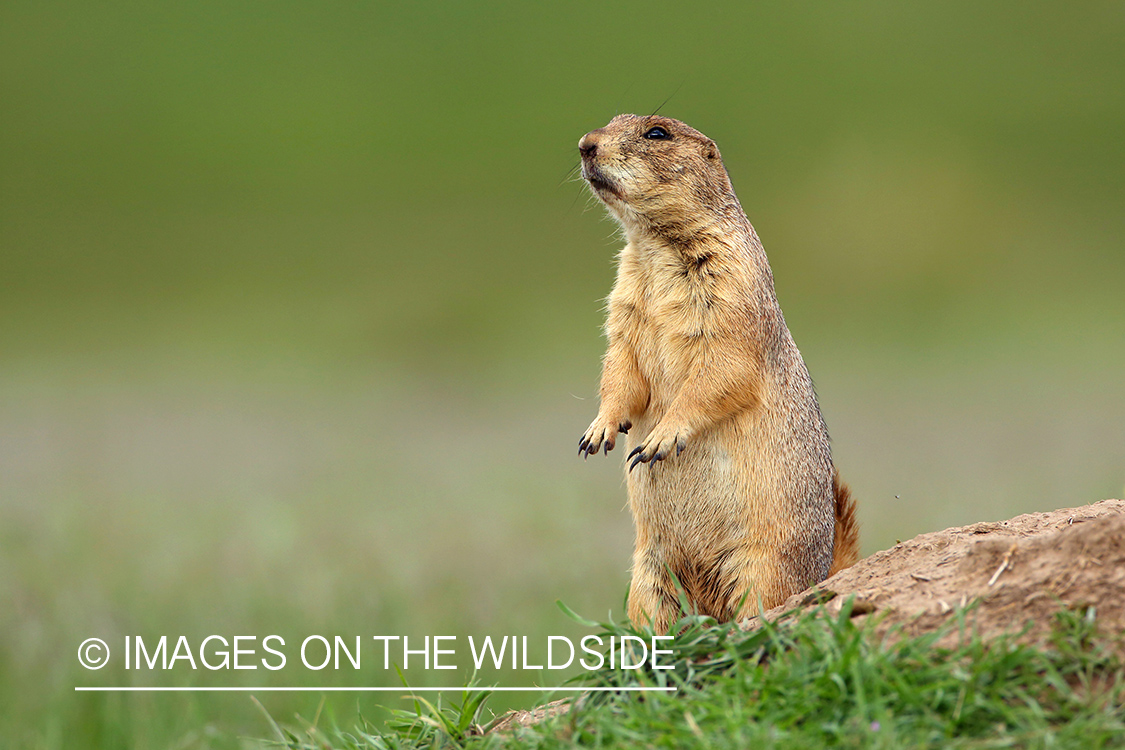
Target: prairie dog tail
845,549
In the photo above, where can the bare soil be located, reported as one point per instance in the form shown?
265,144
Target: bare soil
1014,573
515,719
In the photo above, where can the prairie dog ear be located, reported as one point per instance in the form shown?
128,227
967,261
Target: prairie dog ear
711,151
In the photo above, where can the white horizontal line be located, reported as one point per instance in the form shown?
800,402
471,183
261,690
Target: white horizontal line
288,689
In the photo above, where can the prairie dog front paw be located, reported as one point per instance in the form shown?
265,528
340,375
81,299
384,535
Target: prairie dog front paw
660,444
602,432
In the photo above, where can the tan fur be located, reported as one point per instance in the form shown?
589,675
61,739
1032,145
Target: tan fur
730,476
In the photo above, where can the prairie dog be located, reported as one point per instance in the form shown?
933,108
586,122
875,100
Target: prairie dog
730,475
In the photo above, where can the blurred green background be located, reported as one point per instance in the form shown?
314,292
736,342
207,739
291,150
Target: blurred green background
300,307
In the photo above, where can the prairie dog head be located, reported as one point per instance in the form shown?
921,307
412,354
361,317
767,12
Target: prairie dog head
656,174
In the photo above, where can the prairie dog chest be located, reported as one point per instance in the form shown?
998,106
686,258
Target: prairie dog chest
672,313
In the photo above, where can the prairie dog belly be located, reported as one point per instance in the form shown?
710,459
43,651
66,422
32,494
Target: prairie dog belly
733,487
700,502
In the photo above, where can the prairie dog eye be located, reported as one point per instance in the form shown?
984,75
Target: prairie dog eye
657,134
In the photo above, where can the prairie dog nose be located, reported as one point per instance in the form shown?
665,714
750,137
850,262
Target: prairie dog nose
588,144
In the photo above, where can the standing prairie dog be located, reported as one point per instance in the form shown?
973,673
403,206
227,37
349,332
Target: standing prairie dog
730,474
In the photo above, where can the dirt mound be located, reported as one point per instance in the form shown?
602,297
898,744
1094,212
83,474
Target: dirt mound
1014,574
1021,571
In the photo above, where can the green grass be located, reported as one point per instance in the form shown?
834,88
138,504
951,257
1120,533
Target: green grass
811,681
